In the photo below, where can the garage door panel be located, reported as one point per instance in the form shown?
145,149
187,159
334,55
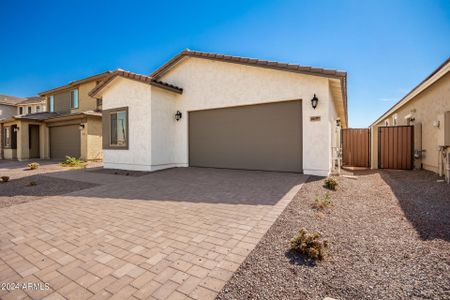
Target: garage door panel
255,137
65,140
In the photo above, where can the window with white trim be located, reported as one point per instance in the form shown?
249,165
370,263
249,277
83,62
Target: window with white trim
74,103
51,103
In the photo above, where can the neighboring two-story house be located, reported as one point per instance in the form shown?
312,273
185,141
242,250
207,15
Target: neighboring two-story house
69,125
11,106
8,106
31,105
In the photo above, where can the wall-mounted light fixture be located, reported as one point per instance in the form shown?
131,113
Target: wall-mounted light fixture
338,122
81,126
314,101
16,129
178,115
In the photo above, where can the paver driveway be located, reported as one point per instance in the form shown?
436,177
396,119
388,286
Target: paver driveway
174,234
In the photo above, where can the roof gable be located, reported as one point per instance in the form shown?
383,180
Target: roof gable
133,76
334,75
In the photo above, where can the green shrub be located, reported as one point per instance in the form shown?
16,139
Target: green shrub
5,178
322,202
331,183
33,166
73,162
309,245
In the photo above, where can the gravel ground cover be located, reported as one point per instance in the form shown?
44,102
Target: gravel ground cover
35,187
389,235
119,172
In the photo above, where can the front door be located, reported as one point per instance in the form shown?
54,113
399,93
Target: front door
33,136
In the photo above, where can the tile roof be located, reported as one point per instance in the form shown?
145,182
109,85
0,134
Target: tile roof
334,74
248,61
74,83
137,77
32,100
37,116
14,101
10,100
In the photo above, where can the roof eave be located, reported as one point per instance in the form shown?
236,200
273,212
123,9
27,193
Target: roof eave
438,73
75,83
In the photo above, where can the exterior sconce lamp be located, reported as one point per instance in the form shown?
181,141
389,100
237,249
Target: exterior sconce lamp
178,116
314,101
16,129
338,122
81,126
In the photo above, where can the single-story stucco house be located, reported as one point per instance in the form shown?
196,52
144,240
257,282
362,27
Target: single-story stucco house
425,109
209,110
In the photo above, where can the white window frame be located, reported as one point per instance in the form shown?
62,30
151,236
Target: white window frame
51,103
74,99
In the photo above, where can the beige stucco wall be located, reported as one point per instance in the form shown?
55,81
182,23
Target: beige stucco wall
425,108
137,97
94,138
86,102
22,152
164,125
7,152
42,108
214,84
157,140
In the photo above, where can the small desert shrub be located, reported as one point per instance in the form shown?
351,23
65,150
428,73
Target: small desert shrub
5,178
73,162
33,166
331,183
322,202
309,245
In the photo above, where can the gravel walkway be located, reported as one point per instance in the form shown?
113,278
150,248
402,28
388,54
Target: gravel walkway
387,242
35,187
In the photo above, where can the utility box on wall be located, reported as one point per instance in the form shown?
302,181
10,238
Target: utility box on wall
444,129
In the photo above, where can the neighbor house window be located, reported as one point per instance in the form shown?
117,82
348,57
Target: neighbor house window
21,110
29,109
99,103
394,120
38,108
51,103
118,128
7,137
74,99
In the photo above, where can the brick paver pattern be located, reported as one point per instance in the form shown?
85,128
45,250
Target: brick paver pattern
174,234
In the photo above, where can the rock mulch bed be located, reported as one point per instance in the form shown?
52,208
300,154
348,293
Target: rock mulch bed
35,187
389,235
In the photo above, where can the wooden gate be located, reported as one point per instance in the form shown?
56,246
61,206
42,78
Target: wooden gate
396,147
355,147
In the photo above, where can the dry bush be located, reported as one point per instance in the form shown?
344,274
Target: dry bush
322,202
309,245
331,183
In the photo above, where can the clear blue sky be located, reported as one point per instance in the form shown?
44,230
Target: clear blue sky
387,47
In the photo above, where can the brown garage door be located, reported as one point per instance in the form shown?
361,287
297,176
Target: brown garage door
65,140
254,137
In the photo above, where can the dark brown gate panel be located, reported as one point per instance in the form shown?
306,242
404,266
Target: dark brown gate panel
395,147
356,147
